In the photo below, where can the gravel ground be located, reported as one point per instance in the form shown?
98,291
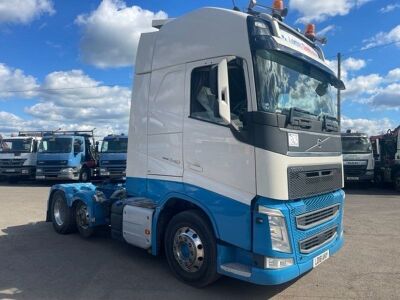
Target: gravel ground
37,263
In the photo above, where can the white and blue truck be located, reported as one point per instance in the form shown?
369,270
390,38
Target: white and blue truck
234,158
67,155
112,156
18,155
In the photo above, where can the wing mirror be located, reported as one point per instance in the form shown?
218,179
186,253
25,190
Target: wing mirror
223,91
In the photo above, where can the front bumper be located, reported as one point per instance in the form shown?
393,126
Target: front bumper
359,178
318,223
56,174
112,172
17,172
275,277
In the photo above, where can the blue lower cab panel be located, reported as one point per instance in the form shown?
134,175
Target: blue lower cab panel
262,276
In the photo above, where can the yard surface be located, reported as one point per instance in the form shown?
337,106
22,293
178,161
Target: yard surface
37,263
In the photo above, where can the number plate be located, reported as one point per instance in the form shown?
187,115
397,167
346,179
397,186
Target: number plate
320,258
40,177
353,178
10,170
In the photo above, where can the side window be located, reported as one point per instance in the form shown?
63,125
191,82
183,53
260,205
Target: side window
237,91
204,91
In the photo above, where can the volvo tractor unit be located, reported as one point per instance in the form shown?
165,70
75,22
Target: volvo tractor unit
66,155
386,149
18,155
112,156
234,157
358,159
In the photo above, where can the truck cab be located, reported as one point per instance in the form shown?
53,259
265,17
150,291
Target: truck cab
358,158
234,158
18,155
112,156
66,155
386,149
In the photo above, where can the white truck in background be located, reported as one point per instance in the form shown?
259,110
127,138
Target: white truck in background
234,157
18,155
358,157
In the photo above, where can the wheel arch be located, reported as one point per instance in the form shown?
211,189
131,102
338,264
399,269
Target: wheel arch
171,207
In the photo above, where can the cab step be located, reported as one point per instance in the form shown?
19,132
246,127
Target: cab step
237,269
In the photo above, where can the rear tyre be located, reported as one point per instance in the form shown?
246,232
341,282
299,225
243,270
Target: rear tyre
82,219
190,248
84,176
62,216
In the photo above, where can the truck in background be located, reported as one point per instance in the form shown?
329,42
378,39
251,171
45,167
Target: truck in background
386,148
234,157
358,158
18,155
67,155
112,156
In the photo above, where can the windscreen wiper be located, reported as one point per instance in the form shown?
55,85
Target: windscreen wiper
301,118
330,124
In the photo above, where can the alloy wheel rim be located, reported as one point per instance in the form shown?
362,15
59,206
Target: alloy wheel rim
188,249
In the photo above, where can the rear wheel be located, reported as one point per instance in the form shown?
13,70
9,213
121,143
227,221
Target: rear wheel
190,248
61,215
83,220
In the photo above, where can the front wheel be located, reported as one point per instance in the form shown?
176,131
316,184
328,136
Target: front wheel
190,248
83,220
397,182
84,176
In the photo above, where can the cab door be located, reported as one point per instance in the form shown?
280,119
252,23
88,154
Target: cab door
219,170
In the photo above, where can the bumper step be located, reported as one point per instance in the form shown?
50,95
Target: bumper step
237,269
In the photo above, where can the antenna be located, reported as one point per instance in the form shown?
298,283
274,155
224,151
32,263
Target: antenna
234,6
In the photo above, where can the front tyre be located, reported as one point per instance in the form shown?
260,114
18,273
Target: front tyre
190,248
62,216
84,175
83,220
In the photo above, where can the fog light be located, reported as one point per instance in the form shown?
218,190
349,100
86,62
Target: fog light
277,263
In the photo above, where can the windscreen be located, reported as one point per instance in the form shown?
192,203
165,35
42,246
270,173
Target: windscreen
114,146
17,145
56,145
285,82
356,145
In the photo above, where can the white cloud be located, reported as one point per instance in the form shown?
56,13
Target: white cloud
66,99
393,75
389,8
365,84
353,64
371,127
24,11
388,97
383,38
326,30
110,34
12,80
321,10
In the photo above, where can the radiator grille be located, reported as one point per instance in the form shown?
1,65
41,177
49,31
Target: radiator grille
313,180
317,217
313,243
12,162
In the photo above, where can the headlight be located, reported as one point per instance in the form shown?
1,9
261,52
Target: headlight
24,171
370,172
67,170
278,229
104,172
99,197
39,170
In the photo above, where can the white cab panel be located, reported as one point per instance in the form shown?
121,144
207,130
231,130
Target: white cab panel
272,177
144,56
166,100
165,154
136,226
137,143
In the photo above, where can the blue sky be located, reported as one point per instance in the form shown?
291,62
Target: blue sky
71,44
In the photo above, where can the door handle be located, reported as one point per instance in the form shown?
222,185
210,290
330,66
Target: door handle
195,167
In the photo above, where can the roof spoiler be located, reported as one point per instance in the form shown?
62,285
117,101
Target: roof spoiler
160,23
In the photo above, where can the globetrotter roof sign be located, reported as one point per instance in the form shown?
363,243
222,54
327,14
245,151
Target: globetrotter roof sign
291,41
